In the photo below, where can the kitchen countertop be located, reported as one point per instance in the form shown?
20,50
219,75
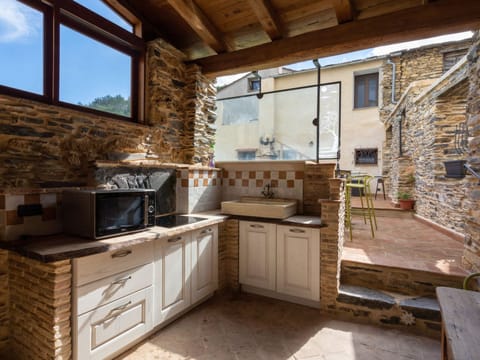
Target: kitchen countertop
62,247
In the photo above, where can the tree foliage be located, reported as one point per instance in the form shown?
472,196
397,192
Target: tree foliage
112,104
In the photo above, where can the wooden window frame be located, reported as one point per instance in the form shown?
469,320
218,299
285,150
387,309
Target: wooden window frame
94,26
364,78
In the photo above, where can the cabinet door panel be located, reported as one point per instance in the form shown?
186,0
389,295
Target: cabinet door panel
204,262
109,329
298,262
103,291
172,276
257,254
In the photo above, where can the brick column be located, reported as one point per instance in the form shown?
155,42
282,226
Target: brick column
228,242
40,308
331,243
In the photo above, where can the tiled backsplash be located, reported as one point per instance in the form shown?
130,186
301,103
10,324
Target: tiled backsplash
286,184
12,226
198,190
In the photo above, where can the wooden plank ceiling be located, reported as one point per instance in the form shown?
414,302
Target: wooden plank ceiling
231,36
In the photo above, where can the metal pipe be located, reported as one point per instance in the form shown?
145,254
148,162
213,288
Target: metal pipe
318,66
394,77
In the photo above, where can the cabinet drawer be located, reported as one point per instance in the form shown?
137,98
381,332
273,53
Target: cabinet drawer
103,291
91,268
106,331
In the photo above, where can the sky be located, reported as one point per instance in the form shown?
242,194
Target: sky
84,77
362,54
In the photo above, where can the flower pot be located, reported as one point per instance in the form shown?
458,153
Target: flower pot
455,169
406,204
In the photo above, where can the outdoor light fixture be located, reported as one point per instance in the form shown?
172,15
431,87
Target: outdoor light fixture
257,76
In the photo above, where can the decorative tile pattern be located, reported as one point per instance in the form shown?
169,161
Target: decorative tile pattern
198,190
12,226
285,184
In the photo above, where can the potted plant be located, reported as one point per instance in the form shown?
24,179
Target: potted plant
406,201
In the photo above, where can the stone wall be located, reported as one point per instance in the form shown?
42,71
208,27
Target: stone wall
414,65
40,309
427,115
472,224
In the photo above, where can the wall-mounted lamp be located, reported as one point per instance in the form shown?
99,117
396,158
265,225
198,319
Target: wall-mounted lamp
257,76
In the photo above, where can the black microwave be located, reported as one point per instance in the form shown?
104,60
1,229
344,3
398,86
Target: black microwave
98,214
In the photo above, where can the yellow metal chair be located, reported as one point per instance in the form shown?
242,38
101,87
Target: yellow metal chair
368,209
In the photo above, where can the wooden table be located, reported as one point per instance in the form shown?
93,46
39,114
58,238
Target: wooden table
460,323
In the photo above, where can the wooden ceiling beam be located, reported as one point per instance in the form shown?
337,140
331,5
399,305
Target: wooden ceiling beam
200,23
344,10
268,18
436,18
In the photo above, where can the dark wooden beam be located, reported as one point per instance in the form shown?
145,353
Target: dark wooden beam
344,9
200,23
268,18
436,18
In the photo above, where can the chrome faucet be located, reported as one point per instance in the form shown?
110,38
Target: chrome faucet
267,191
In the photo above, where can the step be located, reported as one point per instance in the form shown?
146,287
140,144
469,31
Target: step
399,280
396,213
391,308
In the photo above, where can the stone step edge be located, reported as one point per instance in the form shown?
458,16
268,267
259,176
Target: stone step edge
396,213
417,277
360,264
412,307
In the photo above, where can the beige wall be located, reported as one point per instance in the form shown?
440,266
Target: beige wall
360,128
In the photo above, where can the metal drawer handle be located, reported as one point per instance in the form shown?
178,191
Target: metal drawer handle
297,231
257,226
206,231
172,240
121,253
121,281
115,312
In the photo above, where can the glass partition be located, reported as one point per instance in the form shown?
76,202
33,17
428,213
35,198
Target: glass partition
278,126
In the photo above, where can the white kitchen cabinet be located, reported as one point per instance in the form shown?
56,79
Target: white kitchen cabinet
112,301
109,329
204,249
257,254
172,276
298,261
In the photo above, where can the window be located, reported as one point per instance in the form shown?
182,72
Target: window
366,156
246,154
66,54
366,90
451,58
254,84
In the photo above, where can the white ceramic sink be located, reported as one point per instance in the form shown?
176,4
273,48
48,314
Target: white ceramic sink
261,207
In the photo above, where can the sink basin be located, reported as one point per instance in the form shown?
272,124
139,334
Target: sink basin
261,207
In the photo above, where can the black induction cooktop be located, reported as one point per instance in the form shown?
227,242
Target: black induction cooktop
170,221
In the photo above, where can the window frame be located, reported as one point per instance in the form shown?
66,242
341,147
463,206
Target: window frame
358,153
94,26
254,80
365,77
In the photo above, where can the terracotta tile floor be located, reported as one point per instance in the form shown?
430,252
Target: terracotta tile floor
253,327
405,243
